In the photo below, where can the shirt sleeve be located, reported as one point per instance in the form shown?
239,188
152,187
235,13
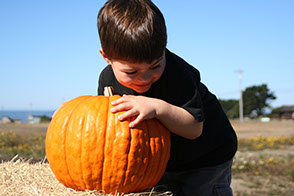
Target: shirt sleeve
195,107
101,84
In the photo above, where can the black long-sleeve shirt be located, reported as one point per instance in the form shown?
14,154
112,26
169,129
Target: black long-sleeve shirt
180,85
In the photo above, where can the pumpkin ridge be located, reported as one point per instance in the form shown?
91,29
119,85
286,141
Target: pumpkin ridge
128,158
97,144
164,142
66,158
114,174
127,164
65,133
149,154
141,183
118,162
58,112
50,133
81,158
156,145
83,143
105,144
161,166
81,147
102,183
133,172
152,146
112,160
103,148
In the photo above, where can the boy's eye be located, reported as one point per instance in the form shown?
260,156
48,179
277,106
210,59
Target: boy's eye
131,73
156,66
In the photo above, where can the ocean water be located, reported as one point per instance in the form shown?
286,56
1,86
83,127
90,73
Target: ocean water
23,114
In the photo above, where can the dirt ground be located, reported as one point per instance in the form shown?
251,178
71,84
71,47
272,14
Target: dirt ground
244,130
267,129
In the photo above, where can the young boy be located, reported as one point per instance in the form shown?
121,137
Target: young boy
155,83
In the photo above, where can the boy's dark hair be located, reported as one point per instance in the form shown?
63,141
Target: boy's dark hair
132,30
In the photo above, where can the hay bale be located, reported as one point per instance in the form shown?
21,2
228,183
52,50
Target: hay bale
19,177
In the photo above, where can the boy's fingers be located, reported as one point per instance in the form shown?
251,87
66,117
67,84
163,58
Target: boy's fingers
127,114
124,98
136,121
117,101
121,107
120,100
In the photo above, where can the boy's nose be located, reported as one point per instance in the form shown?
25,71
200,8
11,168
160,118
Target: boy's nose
145,77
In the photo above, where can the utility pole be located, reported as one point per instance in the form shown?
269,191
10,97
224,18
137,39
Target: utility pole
31,109
241,96
30,117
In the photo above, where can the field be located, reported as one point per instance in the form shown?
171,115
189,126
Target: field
263,164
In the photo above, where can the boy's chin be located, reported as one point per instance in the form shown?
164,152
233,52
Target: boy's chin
142,89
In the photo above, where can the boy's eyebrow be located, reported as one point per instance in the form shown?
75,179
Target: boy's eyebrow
131,69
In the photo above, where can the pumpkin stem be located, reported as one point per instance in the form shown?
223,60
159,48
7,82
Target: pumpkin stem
108,91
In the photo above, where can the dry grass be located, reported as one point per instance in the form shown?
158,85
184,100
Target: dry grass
29,146
261,142
24,129
264,172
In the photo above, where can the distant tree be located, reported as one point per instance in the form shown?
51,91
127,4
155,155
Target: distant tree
256,100
231,107
45,118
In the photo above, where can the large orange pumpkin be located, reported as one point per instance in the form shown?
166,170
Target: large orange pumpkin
89,148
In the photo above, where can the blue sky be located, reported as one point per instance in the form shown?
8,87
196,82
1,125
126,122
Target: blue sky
49,49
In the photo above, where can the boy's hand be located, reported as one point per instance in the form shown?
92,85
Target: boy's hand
139,106
176,119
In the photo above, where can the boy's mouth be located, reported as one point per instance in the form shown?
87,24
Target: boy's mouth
142,85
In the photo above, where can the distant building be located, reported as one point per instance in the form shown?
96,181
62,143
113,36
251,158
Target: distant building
38,119
33,119
287,112
17,120
6,119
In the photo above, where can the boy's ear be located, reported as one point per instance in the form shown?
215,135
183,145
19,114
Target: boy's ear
104,56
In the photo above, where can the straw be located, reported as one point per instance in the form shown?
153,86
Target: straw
19,177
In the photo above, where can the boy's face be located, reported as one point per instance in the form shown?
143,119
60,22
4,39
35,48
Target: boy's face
137,76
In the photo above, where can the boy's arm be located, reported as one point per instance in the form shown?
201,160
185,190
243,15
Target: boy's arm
179,120
176,119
